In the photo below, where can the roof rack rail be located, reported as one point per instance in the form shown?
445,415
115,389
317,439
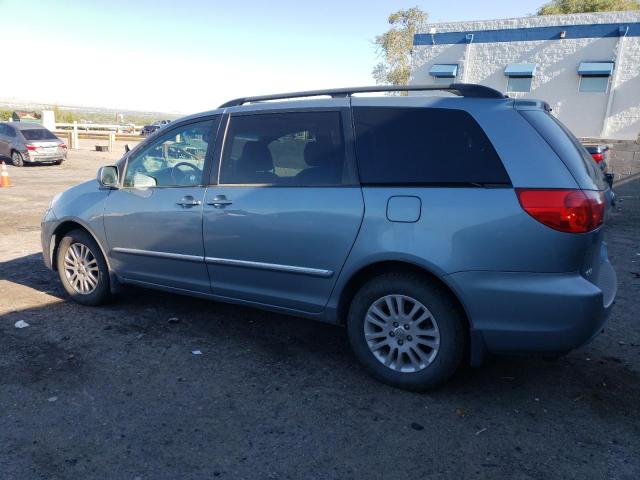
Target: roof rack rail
462,89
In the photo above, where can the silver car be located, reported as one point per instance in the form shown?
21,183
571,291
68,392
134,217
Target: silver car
25,142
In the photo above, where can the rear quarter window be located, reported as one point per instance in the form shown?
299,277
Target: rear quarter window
424,146
565,144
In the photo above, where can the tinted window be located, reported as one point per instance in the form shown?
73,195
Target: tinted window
579,162
175,159
594,84
38,134
423,146
291,149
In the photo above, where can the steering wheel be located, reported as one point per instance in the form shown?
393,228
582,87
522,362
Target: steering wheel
176,168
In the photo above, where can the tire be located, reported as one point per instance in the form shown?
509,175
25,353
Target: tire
58,162
17,159
430,354
91,287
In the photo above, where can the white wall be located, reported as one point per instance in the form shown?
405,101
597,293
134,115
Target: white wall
556,80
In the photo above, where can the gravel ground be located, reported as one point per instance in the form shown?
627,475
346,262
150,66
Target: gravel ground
116,392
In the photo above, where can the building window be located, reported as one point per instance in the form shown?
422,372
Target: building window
519,84
520,76
594,76
443,74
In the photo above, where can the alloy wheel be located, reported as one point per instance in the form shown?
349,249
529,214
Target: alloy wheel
401,333
81,268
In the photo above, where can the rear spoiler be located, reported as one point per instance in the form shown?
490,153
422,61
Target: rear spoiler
531,104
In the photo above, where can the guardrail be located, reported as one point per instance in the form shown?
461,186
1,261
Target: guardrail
105,127
100,131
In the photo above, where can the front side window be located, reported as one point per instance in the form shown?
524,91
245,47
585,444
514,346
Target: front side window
286,149
404,146
175,159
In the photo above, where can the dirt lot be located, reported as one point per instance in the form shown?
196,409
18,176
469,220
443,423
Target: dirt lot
116,392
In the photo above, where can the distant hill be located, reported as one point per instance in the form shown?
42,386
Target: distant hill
68,113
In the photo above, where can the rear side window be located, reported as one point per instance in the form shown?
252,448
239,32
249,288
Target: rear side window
285,149
572,153
38,134
424,146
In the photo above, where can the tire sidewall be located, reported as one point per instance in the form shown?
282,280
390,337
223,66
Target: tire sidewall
17,159
448,317
102,290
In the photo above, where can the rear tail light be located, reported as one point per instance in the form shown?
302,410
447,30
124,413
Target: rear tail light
62,145
572,211
598,157
31,148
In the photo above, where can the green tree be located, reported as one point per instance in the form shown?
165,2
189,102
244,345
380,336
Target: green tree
555,7
395,45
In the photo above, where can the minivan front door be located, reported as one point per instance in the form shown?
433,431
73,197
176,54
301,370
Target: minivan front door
279,225
153,223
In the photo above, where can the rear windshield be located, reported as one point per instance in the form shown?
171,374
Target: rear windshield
400,145
38,134
574,155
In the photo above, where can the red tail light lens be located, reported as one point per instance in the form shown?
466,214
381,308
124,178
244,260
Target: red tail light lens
62,145
597,157
31,147
572,211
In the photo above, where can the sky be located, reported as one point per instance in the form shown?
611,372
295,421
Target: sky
191,55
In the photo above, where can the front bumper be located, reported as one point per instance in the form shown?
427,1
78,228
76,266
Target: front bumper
514,312
47,240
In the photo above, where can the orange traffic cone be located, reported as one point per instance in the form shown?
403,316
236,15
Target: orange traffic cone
4,176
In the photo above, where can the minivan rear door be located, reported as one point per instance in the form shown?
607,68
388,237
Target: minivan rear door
285,208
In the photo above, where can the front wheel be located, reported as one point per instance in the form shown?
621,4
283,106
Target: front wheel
82,268
406,331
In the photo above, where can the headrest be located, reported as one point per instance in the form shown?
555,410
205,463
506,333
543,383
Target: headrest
256,157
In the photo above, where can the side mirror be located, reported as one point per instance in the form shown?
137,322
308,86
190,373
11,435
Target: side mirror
126,148
108,176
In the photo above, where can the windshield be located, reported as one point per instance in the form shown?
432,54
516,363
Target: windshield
38,134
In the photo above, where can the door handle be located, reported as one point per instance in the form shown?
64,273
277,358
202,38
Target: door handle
188,201
220,201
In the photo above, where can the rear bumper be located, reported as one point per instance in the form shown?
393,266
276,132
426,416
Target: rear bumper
44,158
529,312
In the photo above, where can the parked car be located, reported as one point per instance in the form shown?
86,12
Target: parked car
149,129
25,142
418,222
600,153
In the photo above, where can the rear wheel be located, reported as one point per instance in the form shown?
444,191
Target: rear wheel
82,268
17,159
406,331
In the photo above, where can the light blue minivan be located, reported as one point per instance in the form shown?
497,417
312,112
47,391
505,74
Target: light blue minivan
436,228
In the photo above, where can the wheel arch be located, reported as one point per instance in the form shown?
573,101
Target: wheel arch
365,273
65,227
